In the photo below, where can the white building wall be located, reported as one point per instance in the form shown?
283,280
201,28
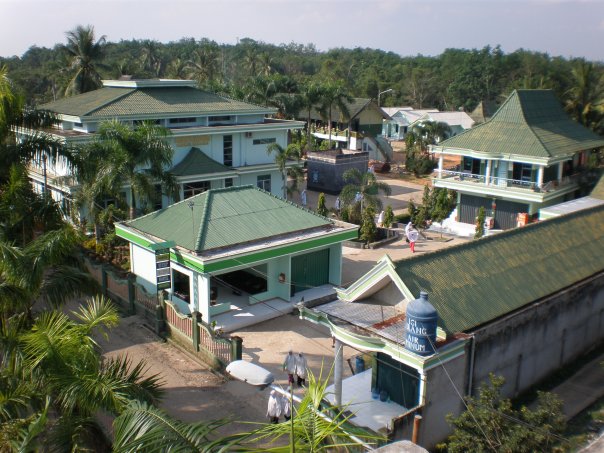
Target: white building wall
143,266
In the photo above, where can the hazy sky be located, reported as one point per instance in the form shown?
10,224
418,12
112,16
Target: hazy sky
407,27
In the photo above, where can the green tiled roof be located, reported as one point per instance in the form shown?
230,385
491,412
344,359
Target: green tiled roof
477,282
112,101
354,108
530,123
227,217
197,163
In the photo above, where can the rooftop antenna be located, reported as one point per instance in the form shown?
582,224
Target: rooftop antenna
191,205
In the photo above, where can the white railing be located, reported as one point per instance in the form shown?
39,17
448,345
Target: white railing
471,178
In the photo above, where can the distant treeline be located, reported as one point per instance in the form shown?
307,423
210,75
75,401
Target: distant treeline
257,71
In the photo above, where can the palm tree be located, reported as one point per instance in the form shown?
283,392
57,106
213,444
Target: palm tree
334,95
310,97
315,426
203,67
84,53
60,363
365,184
426,133
142,427
152,58
24,212
125,159
585,98
15,118
47,270
282,157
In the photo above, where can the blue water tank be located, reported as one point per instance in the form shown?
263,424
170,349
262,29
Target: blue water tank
420,326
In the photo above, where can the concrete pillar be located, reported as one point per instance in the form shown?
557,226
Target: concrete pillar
440,166
487,176
422,387
560,171
338,371
540,171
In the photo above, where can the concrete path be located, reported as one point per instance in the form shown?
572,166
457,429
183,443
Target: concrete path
583,388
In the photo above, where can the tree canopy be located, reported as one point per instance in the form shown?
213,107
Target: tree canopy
455,79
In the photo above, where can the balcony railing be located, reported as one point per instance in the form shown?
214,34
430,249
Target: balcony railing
495,181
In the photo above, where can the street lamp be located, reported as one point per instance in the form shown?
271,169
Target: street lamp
382,92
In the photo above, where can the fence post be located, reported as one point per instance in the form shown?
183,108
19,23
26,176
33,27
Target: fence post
104,280
196,321
131,294
236,348
160,314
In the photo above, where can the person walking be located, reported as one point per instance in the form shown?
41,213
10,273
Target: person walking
273,411
338,205
380,221
286,408
289,365
412,236
301,366
303,197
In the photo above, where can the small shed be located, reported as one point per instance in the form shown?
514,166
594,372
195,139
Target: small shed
326,168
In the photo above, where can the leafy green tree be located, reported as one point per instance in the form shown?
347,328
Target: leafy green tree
204,64
334,95
365,184
321,206
443,205
283,158
480,223
412,211
388,217
491,424
585,97
368,227
120,156
84,53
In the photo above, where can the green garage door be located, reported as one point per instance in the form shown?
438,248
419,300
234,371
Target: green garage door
310,270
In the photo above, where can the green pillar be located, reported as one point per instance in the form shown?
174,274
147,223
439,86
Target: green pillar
160,316
236,348
196,322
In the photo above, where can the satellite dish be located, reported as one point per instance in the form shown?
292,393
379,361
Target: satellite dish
250,373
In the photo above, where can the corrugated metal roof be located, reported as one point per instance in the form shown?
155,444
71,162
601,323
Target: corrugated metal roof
474,283
226,217
197,163
529,123
111,102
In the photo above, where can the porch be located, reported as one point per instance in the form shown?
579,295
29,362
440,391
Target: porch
237,311
370,413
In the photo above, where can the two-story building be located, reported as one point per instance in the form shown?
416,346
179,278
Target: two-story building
529,155
217,141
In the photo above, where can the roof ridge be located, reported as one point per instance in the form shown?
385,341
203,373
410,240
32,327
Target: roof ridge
203,230
129,91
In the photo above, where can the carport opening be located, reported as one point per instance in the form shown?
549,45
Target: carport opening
251,280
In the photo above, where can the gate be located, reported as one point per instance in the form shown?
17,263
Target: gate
469,206
506,213
309,270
